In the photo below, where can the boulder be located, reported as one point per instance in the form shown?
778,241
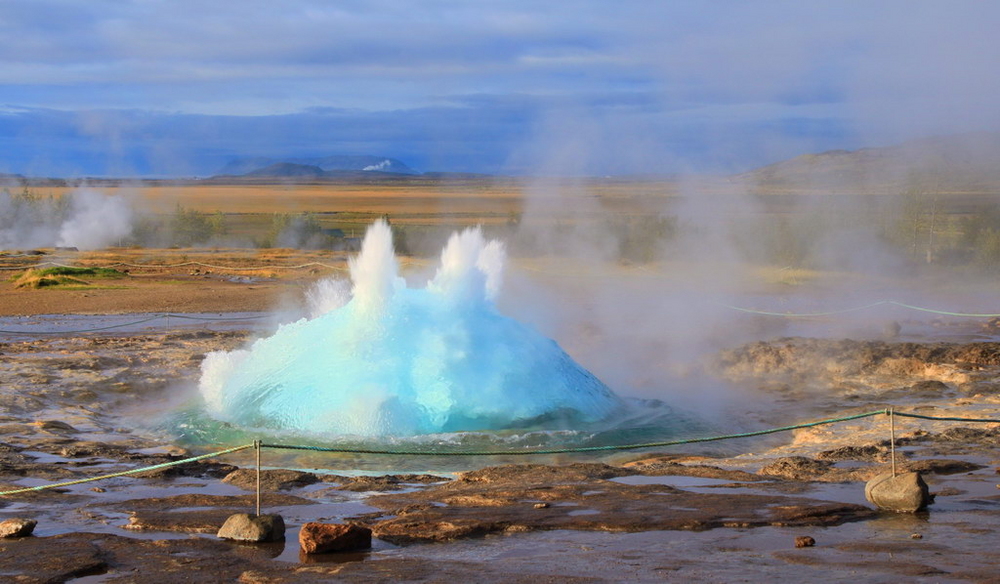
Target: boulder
17,527
256,528
904,493
319,538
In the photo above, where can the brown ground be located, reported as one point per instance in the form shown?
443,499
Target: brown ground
258,281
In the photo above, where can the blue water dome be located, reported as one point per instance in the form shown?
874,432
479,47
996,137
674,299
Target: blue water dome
400,361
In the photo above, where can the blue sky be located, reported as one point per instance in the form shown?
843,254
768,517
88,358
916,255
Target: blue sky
177,87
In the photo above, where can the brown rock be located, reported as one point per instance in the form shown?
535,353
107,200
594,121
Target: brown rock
904,493
270,480
320,538
17,527
804,541
246,527
797,468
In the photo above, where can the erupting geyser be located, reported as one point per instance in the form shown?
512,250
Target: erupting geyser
398,361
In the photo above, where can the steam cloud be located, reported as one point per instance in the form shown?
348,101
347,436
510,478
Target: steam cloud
84,219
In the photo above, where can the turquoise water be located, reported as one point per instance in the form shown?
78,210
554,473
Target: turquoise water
395,361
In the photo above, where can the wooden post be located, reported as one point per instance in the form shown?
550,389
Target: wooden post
256,446
892,441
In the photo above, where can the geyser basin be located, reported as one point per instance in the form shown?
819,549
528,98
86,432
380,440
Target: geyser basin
398,361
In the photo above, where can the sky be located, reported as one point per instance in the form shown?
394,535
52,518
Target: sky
179,87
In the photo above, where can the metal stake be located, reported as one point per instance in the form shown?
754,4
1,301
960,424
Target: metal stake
256,446
892,441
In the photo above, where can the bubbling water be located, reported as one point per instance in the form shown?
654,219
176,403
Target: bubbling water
400,361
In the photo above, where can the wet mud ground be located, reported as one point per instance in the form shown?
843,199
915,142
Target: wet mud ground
84,405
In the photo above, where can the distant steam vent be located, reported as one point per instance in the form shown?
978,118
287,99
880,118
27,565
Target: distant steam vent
316,167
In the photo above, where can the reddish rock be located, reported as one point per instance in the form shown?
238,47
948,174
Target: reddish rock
804,541
319,538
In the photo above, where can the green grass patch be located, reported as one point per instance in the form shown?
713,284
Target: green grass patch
78,272
63,276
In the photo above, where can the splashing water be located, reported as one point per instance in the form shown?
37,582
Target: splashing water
399,361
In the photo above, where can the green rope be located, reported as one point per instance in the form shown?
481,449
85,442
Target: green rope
857,308
804,314
127,472
943,312
136,322
89,330
569,450
945,419
572,450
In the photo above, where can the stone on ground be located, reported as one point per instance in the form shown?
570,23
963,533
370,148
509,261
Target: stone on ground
17,527
256,528
904,493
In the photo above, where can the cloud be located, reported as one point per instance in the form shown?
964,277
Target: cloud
463,85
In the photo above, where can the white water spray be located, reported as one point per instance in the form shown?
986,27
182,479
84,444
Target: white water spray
400,361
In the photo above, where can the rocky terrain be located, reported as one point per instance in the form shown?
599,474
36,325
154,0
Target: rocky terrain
81,406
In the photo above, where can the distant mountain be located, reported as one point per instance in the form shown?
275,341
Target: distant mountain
287,169
280,166
7,179
963,162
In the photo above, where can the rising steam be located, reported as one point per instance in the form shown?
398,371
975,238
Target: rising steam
84,219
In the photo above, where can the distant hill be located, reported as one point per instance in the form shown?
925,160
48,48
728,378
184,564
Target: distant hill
965,162
9,179
287,169
293,167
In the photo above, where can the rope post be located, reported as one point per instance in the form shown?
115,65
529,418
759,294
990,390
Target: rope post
892,441
256,447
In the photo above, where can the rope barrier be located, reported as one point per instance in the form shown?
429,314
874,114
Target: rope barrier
135,322
569,450
945,418
805,314
127,472
257,445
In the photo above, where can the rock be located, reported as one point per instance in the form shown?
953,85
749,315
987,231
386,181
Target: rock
321,538
804,541
904,493
381,483
56,427
541,505
270,480
928,388
246,527
916,536
891,329
17,527
60,558
866,453
797,468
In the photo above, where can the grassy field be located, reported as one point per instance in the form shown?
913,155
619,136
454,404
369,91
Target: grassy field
630,219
